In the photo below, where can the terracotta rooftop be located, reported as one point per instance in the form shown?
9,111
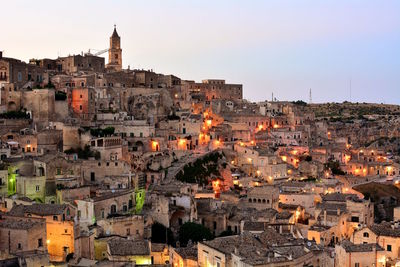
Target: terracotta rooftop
189,252
20,223
128,247
38,209
350,247
386,229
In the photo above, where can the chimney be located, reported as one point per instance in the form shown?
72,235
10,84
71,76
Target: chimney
1,54
324,217
338,211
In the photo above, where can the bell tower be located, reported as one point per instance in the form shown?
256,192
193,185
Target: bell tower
115,51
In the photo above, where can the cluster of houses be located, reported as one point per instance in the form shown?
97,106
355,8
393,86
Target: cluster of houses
95,157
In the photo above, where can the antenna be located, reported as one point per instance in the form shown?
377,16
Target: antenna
310,98
350,89
272,99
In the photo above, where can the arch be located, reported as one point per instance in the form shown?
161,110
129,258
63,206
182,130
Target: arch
12,106
113,209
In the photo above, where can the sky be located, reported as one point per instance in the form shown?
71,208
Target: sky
283,47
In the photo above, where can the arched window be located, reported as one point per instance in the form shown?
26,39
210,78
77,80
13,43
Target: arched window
113,209
366,234
250,200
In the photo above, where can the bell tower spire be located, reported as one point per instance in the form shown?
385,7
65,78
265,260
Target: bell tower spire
115,51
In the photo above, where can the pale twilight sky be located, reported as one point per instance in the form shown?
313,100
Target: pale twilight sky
281,46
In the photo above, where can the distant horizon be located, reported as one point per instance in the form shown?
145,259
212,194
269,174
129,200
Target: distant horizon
279,47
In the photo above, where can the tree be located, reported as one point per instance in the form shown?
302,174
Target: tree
195,232
159,233
226,233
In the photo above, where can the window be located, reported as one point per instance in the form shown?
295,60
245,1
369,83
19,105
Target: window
37,188
357,264
366,234
40,242
128,231
55,218
80,107
102,214
19,246
113,209
389,248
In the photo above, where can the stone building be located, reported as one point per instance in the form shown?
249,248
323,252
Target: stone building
348,254
262,197
100,207
258,250
20,234
75,63
213,89
386,235
127,225
128,250
184,256
59,226
19,73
